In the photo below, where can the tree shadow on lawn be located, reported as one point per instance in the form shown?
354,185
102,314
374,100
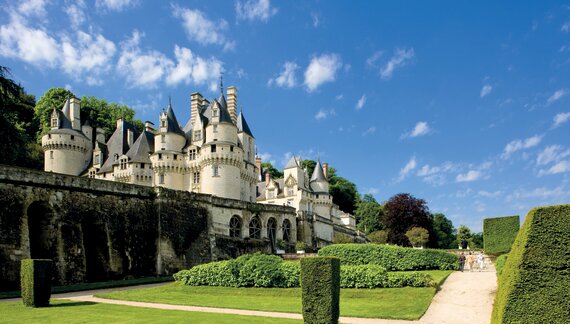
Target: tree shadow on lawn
78,303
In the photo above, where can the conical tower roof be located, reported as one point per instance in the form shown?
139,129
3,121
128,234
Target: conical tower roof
242,125
318,173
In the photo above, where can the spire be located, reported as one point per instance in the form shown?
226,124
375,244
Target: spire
169,101
318,174
222,83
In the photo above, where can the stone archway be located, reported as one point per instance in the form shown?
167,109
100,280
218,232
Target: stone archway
40,230
95,243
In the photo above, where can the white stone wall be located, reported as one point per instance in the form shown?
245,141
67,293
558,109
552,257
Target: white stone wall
65,155
225,184
169,142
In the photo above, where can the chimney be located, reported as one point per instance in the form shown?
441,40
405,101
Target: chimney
267,178
130,137
195,101
148,126
120,122
232,103
258,165
326,170
74,116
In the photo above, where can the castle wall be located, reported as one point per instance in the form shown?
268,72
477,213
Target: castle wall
100,230
65,153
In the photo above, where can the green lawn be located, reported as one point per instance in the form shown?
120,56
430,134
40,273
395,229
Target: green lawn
394,303
87,312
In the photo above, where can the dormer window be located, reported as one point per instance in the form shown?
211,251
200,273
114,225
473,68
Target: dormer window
54,122
197,135
192,154
214,112
123,163
163,123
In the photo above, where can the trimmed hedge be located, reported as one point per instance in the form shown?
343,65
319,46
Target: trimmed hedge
500,264
499,234
393,258
269,271
320,286
535,284
35,280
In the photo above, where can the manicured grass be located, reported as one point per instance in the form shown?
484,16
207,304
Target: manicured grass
87,312
394,303
94,285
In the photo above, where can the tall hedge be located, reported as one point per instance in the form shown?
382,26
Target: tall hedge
320,287
393,258
535,284
35,280
499,234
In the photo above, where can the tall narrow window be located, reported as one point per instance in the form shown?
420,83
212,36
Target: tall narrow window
235,226
161,179
255,228
196,177
192,154
215,170
163,138
286,230
213,148
51,155
215,128
54,122
272,230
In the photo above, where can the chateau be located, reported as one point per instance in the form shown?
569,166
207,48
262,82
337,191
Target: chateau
214,153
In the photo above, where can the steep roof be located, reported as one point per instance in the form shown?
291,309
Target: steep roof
117,145
142,148
293,163
62,119
318,174
242,125
173,126
224,115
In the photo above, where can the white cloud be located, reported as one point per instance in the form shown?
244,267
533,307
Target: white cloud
322,69
560,119
339,97
436,175
552,153
202,30
323,114
486,90
86,54
422,128
76,13
286,78
560,167
115,5
373,191
371,61
541,193
490,194
31,45
401,58
142,69
361,102
518,145
370,130
565,27
192,69
558,94
33,8
316,19
409,167
471,175
255,10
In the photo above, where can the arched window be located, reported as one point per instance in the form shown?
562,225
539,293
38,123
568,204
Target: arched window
286,230
235,226
271,229
255,228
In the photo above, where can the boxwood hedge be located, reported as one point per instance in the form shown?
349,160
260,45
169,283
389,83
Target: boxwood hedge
35,279
499,234
535,284
320,288
260,270
393,258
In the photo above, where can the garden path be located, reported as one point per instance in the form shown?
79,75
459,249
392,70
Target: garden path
465,297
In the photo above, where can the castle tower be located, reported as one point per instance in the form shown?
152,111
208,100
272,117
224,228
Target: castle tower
168,159
66,148
319,182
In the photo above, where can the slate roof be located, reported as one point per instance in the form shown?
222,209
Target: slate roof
142,148
173,126
242,125
117,145
318,173
293,163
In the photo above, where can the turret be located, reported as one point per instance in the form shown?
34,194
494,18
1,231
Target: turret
319,182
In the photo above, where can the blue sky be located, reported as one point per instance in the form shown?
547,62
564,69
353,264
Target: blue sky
464,104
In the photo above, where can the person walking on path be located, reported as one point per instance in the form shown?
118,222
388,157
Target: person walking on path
470,261
481,261
461,261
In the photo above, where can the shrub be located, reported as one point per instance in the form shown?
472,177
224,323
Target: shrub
500,264
300,246
393,258
362,276
499,234
408,279
261,270
378,237
291,271
534,284
35,280
320,285
418,236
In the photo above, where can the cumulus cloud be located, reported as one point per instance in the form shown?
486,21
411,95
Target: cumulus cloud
400,59
555,155
115,5
255,10
87,53
560,119
193,69
486,90
436,175
76,13
322,69
541,193
471,175
32,8
361,102
518,145
323,114
201,29
285,79
370,130
557,95
422,128
407,169
372,60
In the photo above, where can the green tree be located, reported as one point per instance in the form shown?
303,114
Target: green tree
275,174
53,98
378,237
443,231
17,125
463,233
402,212
368,214
476,241
418,236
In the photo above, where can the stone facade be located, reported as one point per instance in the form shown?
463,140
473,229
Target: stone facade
100,230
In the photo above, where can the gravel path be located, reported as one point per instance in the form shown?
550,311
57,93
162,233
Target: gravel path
465,297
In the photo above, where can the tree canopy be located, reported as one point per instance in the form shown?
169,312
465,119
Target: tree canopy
443,231
275,174
402,212
368,214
